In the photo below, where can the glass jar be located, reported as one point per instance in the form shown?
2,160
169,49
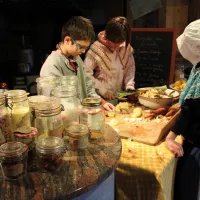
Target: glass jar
35,101
48,119
179,72
46,84
5,122
92,115
50,153
19,108
71,80
29,140
13,159
70,102
78,136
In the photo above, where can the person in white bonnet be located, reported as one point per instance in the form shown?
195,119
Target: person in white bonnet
187,124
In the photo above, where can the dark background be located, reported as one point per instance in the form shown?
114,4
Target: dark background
40,22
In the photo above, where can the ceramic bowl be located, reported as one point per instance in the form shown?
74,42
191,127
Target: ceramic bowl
155,103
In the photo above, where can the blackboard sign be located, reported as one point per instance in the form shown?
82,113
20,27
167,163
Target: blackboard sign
154,53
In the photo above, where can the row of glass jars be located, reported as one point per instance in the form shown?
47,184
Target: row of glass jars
46,113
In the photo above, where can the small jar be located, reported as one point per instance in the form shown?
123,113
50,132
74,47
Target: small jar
48,119
46,84
78,136
19,108
50,152
29,140
35,101
70,102
13,159
5,122
92,115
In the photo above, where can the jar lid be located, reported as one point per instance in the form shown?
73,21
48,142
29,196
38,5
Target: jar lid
12,149
31,134
15,93
78,130
92,102
67,91
47,79
50,144
36,100
49,106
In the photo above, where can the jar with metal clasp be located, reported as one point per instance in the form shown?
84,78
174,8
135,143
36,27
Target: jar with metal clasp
35,101
6,134
50,152
17,101
48,119
46,84
13,159
70,102
92,115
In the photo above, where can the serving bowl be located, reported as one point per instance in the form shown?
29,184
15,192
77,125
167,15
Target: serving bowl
158,102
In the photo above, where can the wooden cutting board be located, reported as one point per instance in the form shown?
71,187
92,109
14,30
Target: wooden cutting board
146,132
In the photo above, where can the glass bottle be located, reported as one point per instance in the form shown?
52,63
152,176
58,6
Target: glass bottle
50,153
70,102
92,115
5,122
17,101
13,159
179,72
48,119
46,84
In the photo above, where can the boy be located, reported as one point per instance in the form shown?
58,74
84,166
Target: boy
77,35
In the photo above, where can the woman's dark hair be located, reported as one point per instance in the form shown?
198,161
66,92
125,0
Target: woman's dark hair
118,30
78,28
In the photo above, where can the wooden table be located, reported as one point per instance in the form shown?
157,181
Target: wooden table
81,171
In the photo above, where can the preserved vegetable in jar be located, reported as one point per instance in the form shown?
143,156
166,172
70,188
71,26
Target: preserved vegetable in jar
13,159
6,134
50,152
19,108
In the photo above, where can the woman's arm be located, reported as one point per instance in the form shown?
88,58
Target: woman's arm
129,73
90,65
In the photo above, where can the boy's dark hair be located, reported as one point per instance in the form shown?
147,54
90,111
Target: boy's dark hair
118,30
78,28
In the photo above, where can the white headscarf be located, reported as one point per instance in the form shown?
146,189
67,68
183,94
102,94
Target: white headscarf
189,42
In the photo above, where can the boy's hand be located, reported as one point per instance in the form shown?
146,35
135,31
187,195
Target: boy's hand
108,106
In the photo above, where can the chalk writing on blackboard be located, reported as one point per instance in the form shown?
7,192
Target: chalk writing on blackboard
153,54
